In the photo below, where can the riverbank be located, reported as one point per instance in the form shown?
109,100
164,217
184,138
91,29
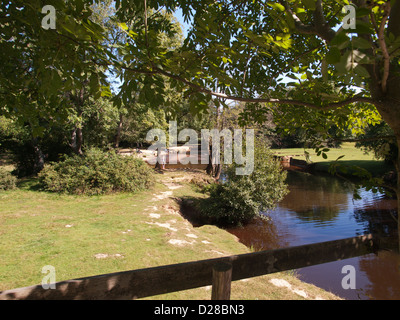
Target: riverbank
352,161
86,236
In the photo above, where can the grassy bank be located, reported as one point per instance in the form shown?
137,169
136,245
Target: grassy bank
348,150
85,236
352,156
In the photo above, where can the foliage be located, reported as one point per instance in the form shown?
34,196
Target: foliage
7,180
138,121
385,149
18,139
242,197
289,56
97,172
41,65
98,120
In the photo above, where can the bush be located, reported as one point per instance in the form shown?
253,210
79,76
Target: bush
241,198
7,180
97,172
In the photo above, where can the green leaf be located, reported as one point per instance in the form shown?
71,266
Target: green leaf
361,43
105,91
340,40
277,6
333,56
362,12
361,71
363,28
123,26
309,4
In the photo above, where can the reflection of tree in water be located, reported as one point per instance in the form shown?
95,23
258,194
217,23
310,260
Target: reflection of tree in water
315,198
384,274
378,221
261,234
322,199
383,270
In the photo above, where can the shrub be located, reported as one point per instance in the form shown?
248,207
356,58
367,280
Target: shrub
7,180
242,198
97,172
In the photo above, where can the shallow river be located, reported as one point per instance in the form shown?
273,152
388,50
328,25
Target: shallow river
322,208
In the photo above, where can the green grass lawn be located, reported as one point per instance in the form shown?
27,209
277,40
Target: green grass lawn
84,236
348,150
352,156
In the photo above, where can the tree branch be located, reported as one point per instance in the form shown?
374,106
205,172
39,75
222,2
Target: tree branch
291,62
326,107
146,36
389,137
300,26
382,44
199,88
320,27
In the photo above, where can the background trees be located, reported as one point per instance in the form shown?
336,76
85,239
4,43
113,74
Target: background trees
289,57
245,51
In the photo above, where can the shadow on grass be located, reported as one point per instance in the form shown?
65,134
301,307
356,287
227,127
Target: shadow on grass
376,168
30,183
189,208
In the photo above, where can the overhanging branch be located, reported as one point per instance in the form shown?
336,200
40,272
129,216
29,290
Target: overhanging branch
199,88
382,44
388,137
319,27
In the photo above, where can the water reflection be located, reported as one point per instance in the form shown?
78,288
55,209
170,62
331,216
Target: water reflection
383,274
321,208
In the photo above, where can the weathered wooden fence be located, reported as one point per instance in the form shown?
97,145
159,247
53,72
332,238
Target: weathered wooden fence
218,272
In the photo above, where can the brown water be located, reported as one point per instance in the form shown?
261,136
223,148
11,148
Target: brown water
321,208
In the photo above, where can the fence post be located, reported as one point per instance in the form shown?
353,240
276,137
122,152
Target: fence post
221,282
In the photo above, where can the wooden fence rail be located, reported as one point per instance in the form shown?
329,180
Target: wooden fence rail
170,278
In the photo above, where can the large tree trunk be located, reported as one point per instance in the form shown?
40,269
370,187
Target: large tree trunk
158,164
77,135
213,169
39,156
390,112
118,134
77,141
387,98
398,187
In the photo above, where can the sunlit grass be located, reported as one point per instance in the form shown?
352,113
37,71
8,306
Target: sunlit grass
350,157
348,150
84,236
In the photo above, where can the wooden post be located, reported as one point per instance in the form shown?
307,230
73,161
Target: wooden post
221,283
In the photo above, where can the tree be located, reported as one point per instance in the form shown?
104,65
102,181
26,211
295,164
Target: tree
237,50
382,148
40,65
242,50
242,197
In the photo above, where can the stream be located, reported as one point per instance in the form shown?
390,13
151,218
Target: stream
321,208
